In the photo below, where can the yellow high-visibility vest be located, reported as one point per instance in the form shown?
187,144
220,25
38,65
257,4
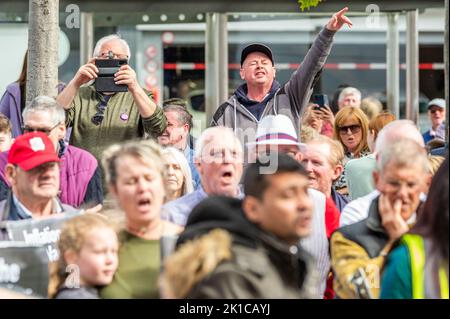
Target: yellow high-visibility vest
416,250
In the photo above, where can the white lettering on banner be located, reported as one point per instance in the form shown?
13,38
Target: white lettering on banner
46,236
52,253
9,273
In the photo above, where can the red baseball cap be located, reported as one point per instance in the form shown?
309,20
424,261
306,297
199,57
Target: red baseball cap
32,149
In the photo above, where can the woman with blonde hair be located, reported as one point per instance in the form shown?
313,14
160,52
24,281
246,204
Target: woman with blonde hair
359,171
350,129
178,175
135,173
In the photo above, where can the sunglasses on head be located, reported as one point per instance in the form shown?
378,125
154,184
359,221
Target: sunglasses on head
353,128
98,117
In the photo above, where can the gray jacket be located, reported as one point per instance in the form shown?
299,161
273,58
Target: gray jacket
290,99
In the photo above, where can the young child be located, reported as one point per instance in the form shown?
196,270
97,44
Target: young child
88,247
6,138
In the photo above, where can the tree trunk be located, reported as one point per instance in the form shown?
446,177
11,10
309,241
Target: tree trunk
43,31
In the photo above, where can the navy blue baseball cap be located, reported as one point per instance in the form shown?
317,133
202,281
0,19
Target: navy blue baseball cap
256,47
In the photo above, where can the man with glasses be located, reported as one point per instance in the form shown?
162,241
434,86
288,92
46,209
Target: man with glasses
436,114
101,119
358,251
219,160
33,170
80,175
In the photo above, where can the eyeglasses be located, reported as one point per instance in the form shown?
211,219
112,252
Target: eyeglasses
112,55
353,129
46,131
97,119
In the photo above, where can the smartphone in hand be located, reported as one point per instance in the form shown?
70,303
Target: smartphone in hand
105,81
321,100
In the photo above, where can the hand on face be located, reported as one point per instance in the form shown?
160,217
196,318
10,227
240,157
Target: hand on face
391,217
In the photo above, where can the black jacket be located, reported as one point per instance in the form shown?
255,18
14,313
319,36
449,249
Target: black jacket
262,266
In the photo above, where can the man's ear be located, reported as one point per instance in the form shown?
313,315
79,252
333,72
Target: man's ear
250,205
70,257
10,174
241,73
186,128
337,171
299,157
61,131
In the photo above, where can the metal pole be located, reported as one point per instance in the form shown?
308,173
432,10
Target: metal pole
86,37
393,65
446,71
412,66
216,54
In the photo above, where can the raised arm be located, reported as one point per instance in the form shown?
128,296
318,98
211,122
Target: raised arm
127,76
84,74
300,85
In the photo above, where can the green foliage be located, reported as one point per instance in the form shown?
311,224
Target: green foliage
306,4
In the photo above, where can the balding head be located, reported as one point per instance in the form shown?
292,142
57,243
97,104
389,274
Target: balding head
398,130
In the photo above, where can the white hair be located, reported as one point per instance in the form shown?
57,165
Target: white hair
397,130
215,132
47,104
403,153
109,38
349,91
184,166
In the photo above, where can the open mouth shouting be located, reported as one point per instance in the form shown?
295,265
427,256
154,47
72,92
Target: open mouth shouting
144,204
227,177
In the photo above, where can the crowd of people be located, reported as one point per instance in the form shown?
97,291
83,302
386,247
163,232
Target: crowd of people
278,198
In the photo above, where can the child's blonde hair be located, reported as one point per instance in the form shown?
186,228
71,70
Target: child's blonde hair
73,236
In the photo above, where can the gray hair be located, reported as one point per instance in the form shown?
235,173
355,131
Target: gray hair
184,117
349,91
403,153
397,130
48,105
184,166
109,38
211,133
